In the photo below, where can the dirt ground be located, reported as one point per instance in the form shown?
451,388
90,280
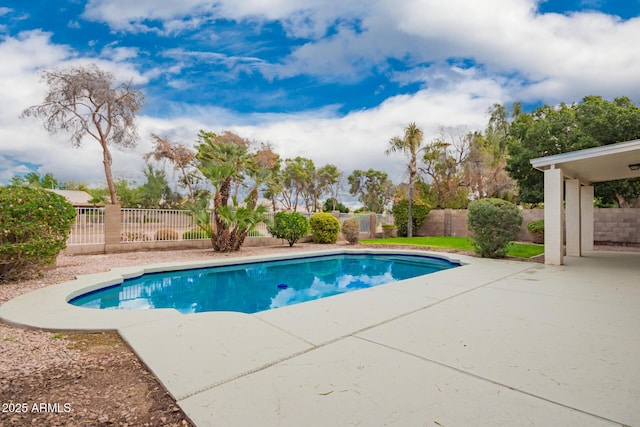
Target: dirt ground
106,385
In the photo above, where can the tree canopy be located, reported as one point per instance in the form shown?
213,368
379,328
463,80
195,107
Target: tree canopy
372,187
553,130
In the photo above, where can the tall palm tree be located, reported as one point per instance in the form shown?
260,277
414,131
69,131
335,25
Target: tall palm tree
410,145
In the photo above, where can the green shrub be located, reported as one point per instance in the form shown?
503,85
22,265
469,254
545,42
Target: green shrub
389,230
419,212
536,230
324,228
494,224
351,230
166,234
289,226
328,206
34,227
536,226
194,234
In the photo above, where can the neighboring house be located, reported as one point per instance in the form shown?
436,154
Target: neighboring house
79,199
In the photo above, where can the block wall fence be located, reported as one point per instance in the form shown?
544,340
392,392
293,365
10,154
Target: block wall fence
611,226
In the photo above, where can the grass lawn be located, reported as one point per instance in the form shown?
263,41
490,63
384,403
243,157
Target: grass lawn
519,250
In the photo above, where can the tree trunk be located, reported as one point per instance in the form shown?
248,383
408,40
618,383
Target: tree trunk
410,212
187,181
412,178
107,172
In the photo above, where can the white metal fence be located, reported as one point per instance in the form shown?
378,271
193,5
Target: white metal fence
146,225
88,228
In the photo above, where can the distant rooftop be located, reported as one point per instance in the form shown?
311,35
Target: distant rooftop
75,197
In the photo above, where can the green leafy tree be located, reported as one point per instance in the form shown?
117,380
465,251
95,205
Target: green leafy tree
289,226
35,180
296,182
129,196
85,101
98,196
554,130
442,163
400,214
327,177
155,192
544,132
484,166
332,204
372,188
411,145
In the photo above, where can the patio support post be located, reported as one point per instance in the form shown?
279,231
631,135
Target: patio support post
572,197
586,218
553,224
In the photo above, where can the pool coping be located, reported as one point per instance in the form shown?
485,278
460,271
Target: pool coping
49,308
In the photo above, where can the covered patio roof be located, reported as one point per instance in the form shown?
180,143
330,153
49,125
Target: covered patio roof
568,193
606,163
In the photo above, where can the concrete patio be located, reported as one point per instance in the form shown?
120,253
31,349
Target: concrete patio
488,343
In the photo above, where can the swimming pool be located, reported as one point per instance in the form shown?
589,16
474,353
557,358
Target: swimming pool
259,286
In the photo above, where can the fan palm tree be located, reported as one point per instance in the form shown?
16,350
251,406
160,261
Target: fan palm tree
410,144
226,164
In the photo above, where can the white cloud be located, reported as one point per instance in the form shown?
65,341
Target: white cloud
512,53
116,53
562,55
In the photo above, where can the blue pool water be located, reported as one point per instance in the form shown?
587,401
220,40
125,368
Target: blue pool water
254,287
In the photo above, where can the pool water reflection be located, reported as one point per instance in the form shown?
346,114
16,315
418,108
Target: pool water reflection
254,287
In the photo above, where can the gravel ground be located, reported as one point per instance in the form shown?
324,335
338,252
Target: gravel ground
93,379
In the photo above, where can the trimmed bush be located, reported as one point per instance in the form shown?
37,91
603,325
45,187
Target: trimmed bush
34,227
166,234
389,230
324,228
536,230
494,224
419,213
351,230
289,226
194,234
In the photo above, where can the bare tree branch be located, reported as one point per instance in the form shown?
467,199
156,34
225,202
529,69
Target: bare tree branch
85,101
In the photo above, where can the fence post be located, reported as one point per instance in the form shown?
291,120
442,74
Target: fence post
112,225
372,225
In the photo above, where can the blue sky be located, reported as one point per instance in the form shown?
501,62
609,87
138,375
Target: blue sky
329,80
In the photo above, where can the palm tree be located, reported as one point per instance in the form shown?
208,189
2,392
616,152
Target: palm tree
226,164
410,145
